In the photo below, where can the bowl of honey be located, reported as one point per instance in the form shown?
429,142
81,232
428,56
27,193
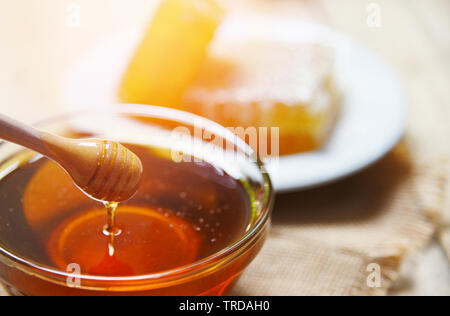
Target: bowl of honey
200,216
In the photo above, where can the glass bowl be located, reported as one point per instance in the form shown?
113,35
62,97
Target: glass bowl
213,275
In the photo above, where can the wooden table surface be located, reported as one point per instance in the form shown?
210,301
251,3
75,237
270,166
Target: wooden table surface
39,41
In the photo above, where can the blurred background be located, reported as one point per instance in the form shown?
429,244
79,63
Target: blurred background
40,40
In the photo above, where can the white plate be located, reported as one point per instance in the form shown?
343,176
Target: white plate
374,109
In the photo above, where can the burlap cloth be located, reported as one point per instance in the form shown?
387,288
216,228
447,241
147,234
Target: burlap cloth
324,241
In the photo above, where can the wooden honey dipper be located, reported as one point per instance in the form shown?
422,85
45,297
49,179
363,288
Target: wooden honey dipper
105,170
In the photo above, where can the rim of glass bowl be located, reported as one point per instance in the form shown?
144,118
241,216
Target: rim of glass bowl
165,278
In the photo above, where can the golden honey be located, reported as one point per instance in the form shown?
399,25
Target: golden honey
182,213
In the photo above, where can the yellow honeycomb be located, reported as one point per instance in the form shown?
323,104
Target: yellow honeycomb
171,52
269,84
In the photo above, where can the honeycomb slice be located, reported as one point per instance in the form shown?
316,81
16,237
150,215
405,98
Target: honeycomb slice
269,84
171,52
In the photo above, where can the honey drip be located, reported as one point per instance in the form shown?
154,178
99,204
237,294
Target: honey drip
110,229
110,265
